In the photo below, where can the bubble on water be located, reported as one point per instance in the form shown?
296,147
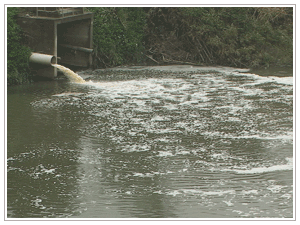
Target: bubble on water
164,154
160,118
263,169
198,192
275,188
40,170
228,203
250,192
136,148
287,196
173,193
37,203
143,175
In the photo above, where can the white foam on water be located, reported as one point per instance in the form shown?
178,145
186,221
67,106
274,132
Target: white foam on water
160,118
266,79
136,148
173,193
250,192
282,80
143,174
217,155
288,136
150,174
170,107
228,203
164,154
275,188
132,87
198,192
287,196
258,170
41,170
152,91
37,203
183,152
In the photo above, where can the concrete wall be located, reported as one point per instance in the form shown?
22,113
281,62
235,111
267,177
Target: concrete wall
78,34
44,35
41,39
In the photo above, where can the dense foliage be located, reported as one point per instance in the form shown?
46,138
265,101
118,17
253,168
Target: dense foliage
228,36
235,36
17,54
118,35
231,36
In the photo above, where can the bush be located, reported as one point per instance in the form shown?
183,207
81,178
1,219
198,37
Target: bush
17,54
237,36
118,35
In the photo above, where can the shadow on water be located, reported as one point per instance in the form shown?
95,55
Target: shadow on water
42,152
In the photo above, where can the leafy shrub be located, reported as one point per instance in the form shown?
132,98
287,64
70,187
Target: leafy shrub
228,36
17,54
237,36
118,35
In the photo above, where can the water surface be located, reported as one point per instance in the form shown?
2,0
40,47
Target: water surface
152,144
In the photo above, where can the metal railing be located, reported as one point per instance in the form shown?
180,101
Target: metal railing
58,11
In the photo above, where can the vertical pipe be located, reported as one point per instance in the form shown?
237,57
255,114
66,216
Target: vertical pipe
91,40
55,48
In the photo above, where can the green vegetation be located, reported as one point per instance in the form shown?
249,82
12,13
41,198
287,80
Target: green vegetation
118,35
17,54
243,37
228,36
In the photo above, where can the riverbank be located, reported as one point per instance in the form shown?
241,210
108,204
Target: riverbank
229,36
246,37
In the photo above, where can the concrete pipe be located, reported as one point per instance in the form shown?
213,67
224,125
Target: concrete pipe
43,59
81,49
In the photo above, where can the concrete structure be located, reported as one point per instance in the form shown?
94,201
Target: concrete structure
63,32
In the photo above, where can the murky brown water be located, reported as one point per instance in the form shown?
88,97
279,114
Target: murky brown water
184,144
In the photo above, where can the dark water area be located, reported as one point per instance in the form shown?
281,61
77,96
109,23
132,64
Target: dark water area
286,71
171,142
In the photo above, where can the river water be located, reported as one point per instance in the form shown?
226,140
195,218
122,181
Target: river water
161,142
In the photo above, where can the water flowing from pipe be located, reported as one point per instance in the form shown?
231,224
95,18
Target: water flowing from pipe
71,75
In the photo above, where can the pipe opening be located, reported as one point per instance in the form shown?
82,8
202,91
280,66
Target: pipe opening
53,60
